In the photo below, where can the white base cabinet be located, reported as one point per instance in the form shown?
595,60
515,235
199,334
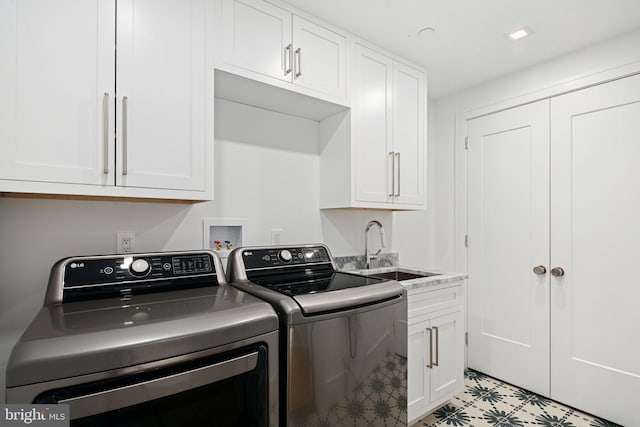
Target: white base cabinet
435,361
60,101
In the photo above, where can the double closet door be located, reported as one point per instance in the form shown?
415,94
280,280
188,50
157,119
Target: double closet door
554,226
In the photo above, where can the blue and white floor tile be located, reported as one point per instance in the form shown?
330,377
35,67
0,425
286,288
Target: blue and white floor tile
487,401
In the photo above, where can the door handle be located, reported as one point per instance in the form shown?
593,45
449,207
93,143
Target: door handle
298,62
539,270
105,133
430,365
125,160
435,328
396,191
288,60
557,271
392,174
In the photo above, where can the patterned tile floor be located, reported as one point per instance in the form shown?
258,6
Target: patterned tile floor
487,401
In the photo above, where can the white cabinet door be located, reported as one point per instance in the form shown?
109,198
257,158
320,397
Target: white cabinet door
57,65
371,121
508,167
595,231
418,350
408,134
319,58
448,375
257,36
161,105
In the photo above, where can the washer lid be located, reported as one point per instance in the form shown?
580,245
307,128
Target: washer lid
66,340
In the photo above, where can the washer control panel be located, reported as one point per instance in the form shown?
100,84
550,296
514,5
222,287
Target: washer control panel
284,256
85,272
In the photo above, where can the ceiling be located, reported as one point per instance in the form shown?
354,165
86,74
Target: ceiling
469,45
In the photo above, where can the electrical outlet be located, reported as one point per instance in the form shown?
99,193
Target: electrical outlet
276,236
125,242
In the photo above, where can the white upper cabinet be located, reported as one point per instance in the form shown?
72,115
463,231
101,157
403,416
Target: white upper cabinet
56,88
275,45
371,121
257,37
59,103
319,58
160,111
408,135
378,148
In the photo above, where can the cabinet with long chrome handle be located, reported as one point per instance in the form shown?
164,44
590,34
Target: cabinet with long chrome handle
394,176
433,364
125,161
288,59
105,133
298,63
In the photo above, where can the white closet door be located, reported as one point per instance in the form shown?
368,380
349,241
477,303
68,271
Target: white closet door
162,73
595,177
57,63
508,236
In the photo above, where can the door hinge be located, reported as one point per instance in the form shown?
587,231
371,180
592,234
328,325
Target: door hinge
466,142
466,337
466,240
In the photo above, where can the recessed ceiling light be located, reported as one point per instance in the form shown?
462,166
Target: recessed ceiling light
426,31
519,34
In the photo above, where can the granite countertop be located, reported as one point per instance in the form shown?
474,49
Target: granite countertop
439,278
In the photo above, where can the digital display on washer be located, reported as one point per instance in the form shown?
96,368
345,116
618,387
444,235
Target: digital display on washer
192,264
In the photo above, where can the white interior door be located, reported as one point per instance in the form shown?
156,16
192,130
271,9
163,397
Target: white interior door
56,123
508,173
595,334
319,60
162,133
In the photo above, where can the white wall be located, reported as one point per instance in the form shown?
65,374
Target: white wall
266,170
441,209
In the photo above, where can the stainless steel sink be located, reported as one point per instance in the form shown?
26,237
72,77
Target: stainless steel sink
402,275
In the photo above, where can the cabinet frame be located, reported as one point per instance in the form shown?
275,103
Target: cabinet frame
104,144
289,70
440,367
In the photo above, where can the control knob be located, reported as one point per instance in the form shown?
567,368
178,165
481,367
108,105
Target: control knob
285,255
140,267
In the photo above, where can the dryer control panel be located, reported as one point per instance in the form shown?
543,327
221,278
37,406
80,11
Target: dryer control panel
108,275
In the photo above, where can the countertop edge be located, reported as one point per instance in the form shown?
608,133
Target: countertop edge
441,277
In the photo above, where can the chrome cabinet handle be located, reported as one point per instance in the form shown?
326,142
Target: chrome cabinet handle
430,365
557,272
125,162
396,191
288,60
435,328
392,175
539,270
298,62
105,133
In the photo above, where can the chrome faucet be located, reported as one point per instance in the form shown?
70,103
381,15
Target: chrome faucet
368,256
